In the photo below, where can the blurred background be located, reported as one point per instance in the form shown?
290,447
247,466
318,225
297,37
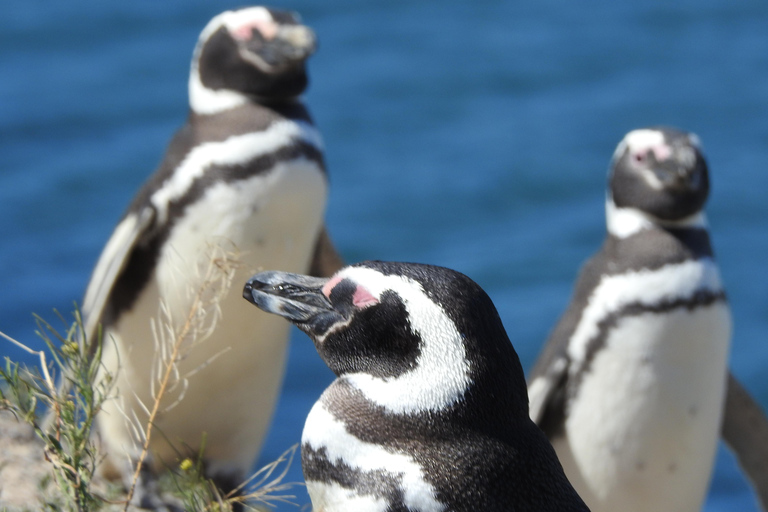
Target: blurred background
473,135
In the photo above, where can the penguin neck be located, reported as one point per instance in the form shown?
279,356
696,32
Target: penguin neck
439,381
441,374
492,414
624,222
205,101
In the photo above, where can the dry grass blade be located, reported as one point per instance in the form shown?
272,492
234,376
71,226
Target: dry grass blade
175,342
267,482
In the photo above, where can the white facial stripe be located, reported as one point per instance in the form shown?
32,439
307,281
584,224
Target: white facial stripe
239,23
441,375
646,287
245,32
234,19
323,430
625,222
639,140
619,150
235,150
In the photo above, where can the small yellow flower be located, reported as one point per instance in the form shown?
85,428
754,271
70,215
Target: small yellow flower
70,349
186,464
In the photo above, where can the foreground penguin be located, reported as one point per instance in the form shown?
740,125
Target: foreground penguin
631,384
429,411
243,176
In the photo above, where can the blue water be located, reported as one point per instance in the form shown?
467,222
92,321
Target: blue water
473,135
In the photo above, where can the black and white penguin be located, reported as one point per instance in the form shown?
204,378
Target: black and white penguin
244,176
630,386
429,411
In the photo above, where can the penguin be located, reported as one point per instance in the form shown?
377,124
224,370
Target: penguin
429,411
630,385
243,182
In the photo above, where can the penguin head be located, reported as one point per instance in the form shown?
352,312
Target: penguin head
413,337
258,52
661,172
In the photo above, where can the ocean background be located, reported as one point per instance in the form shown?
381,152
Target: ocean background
473,135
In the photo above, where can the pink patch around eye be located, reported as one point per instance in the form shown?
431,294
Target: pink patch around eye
363,298
330,285
662,152
244,32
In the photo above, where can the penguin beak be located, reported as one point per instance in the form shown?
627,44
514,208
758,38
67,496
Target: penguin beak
680,172
677,177
299,40
296,297
288,46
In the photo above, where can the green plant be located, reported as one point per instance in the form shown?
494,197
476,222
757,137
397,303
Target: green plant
263,489
68,444
75,400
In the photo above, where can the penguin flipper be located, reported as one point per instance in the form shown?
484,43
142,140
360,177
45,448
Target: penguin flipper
745,431
549,380
111,263
326,261
547,396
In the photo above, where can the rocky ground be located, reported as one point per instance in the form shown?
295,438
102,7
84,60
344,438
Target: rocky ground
22,465
23,469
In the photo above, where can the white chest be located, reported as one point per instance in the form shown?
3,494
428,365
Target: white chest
267,221
643,429
327,434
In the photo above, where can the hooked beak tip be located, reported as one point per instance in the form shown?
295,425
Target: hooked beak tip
247,292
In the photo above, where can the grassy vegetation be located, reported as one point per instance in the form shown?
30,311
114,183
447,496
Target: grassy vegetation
68,444
70,385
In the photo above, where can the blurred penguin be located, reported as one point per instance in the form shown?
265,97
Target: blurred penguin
243,185
631,385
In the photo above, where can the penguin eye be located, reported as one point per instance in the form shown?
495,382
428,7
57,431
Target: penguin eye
339,289
640,157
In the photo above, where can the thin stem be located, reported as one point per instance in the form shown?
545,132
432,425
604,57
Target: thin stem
46,375
169,371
